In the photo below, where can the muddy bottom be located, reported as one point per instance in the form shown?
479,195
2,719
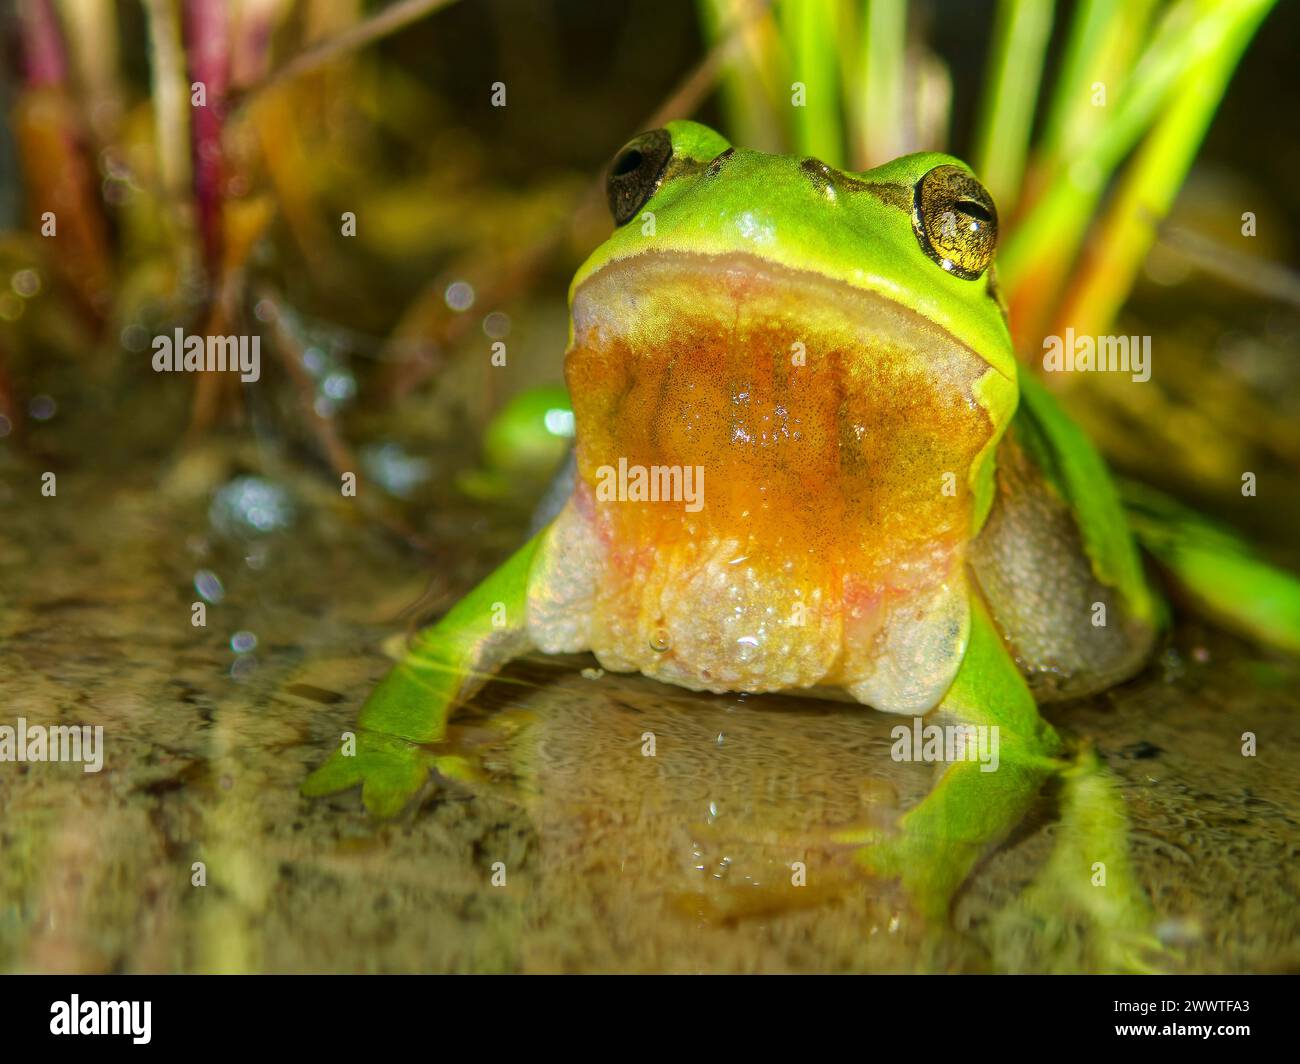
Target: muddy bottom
577,851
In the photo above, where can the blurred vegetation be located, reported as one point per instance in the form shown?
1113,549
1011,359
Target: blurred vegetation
229,216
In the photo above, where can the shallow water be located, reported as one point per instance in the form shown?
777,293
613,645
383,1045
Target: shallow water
613,861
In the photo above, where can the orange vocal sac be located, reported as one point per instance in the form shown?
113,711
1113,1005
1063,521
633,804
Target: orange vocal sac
773,472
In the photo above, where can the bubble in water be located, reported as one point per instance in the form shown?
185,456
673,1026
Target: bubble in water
243,667
243,642
747,647
250,506
660,642
398,472
208,585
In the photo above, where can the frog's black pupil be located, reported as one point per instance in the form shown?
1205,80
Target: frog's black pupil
627,163
635,173
975,210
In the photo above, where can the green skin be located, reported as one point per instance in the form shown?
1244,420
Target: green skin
524,441
766,206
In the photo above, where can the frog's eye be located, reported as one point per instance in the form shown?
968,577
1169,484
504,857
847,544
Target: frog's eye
955,221
636,172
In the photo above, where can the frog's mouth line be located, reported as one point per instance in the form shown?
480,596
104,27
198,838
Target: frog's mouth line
614,296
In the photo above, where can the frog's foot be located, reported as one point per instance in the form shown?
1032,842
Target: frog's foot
933,848
1001,752
391,771
410,707
1085,909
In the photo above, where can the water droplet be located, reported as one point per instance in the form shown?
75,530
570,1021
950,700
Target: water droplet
42,408
313,358
459,295
134,337
497,325
747,647
660,641
559,422
26,283
339,386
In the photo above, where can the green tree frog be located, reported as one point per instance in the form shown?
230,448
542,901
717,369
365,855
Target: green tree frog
806,460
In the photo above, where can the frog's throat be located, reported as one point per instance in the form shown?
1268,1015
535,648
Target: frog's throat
775,483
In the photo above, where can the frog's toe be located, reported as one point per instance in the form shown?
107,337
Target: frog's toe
385,794
929,870
892,850
1046,930
337,774
390,772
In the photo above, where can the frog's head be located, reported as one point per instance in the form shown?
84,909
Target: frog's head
886,274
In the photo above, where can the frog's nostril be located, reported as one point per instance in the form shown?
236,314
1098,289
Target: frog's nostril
821,175
718,161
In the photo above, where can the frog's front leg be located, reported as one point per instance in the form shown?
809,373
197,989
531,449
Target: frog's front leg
938,842
443,667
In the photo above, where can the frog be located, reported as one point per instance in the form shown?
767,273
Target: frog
529,436
807,460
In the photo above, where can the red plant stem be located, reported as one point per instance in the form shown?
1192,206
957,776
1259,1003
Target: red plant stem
44,56
8,396
207,45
